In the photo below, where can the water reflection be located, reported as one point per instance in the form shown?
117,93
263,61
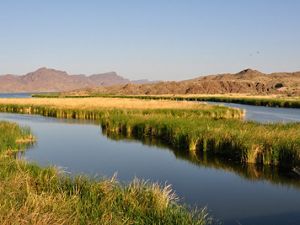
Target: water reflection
273,174
265,114
15,95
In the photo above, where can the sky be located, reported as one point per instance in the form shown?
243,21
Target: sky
154,39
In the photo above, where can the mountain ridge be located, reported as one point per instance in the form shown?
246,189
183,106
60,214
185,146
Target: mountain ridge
247,81
51,80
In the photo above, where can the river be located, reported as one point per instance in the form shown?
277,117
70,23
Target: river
15,95
265,114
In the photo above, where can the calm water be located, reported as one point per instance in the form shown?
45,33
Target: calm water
266,114
15,95
234,194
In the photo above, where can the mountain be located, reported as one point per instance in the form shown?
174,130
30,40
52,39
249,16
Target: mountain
51,80
247,81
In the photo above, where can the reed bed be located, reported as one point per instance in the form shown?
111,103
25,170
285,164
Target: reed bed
94,108
100,102
215,130
244,142
270,101
33,195
249,100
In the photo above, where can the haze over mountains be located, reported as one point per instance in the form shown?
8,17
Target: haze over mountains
51,80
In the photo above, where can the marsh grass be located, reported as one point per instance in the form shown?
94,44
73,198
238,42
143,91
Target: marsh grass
13,137
116,103
33,195
271,144
283,102
270,101
186,126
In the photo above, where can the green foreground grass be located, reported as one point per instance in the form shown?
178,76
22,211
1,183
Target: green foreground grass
215,132
33,195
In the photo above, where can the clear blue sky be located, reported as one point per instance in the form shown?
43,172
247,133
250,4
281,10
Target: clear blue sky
155,39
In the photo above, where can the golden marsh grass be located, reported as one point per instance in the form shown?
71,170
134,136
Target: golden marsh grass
95,103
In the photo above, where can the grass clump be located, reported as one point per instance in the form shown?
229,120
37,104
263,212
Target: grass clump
33,195
12,137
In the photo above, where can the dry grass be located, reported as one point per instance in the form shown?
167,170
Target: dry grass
238,95
95,103
274,100
258,100
229,95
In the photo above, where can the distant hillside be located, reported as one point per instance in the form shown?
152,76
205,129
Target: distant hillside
50,80
247,81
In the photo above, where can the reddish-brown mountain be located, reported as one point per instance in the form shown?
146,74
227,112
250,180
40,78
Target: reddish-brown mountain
50,80
247,81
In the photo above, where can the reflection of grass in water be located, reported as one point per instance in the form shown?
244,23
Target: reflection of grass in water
274,144
273,174
195,127
32,195
249,171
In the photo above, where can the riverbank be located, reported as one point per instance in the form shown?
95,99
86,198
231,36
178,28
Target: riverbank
33,195
187,126
269,101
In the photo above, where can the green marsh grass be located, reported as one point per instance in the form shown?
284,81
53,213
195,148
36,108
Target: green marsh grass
39,196
244,142
12,137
